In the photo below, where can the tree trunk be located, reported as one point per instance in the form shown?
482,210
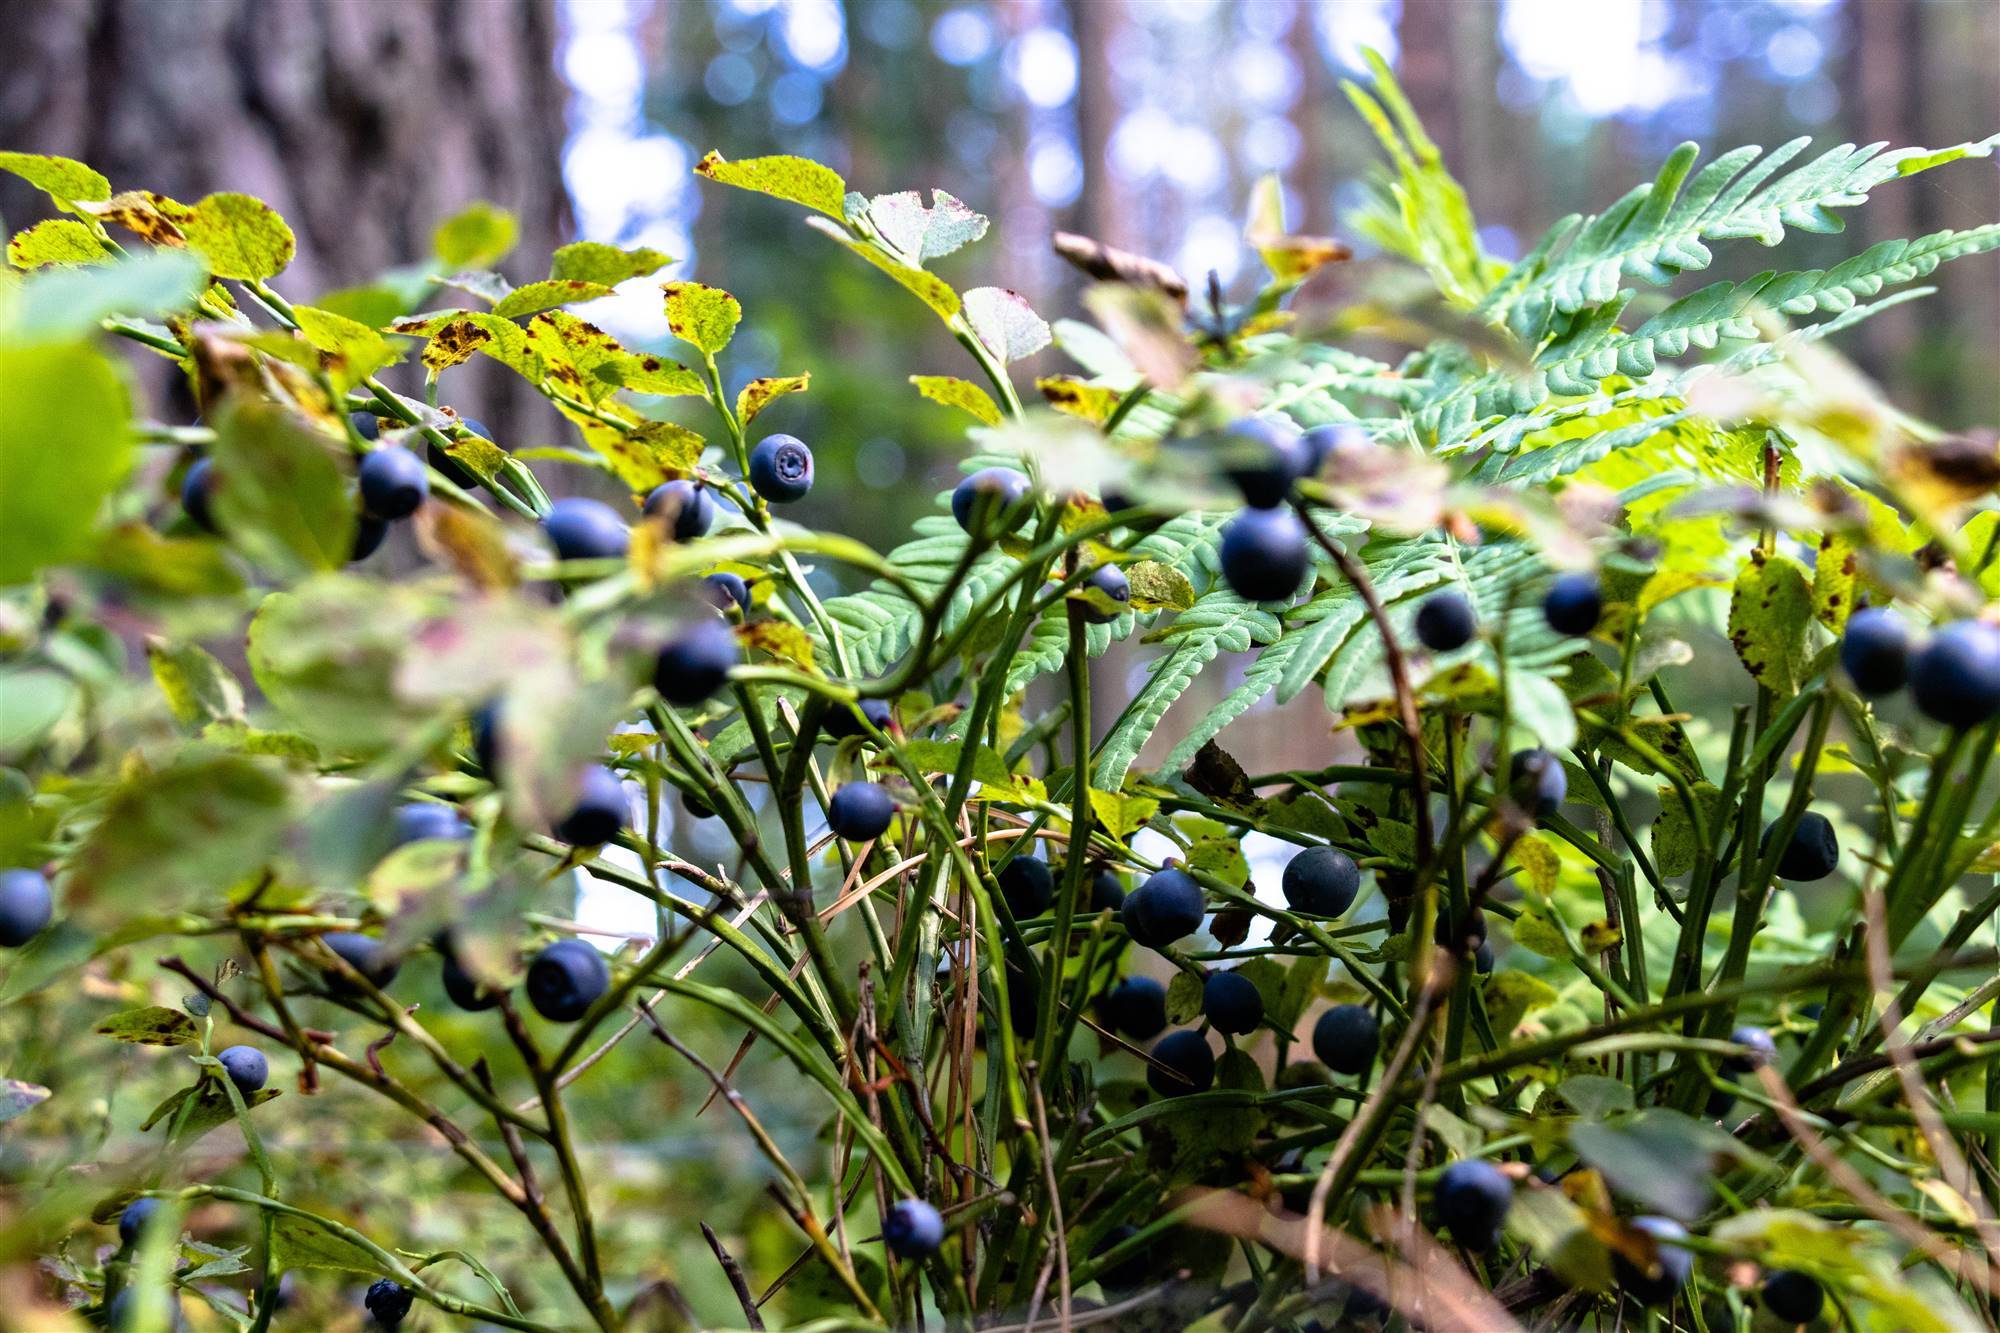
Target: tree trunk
363,122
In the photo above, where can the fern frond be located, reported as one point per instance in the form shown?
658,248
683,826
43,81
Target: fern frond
879,624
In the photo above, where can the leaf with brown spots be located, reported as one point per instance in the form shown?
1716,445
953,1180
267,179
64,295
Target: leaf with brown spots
1092,402
629,452
63,179
506,342
1945,474
1768,618
798,179
453,344
652,374
594,261
239,237
153,218
782,640
673,448
57,241
702,316
576,354
954,392
758,393
349,350
547,295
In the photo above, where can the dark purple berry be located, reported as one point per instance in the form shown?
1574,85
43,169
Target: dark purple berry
912,1229
986,496
26,906
246,1067
1189,1065
198,493
687,505
860,811
1263,457
365,954
1137,1008
1875,650
1111,581
1955,678
781,468
1320,881
1794,1297
1537,782
585,529
1231,1002
1672,1266
724,591
600,810
394,483
1812,853
1264,555
1346,1039
1028,885
1167,907
1574,603
695,663
1472,1200
1445,622
566,979
388,1302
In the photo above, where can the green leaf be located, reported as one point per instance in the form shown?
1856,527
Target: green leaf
297,1243
65,441
478,236
1184,995
153,1025
606,265
1121,814
1770,614
1219,622
63,179
932,290
328,655
239,237
18,1098
795,178
1593,1096
1215,850
961,394
701,316
1661,1159
349,350
1534,931
1540,710
1159,587
32,701
69,302
281,491
1673,833
758,394
1559,1234
198,688
186,831
1513,995
547,295
929,756
60,241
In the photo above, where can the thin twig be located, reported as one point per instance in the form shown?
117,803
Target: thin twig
734,1272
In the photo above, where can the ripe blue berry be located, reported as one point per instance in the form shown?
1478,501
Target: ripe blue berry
1263,457
394,483
1346,1039
600,810
1028,885
1875,650
1472,1200
565,980
1320,881
781,468
368,534
1264,556
26,906
246,1067
1445,622
687,506
366,424
1573,603
912,1229
1794,1297
840,722
724,590
1167,907
696,807
1107,890
980,501
132,1222
426,821
1537,782
1673,1265
365,954
585,529
1955,678
462,989
198,493
1812,853
1189,1064
1231,1002
1111,581
695,663
1761,1050
388,1301
1482,958
860,811
1137,1008
1457,937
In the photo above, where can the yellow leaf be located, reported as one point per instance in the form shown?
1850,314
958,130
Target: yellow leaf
798,179
758,393
1068,394
702,316
953,392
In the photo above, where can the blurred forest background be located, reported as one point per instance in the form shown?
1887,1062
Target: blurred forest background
1140,122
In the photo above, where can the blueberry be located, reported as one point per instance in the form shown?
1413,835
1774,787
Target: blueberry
368,534
695,663
1189,1064
1955,678
1137,1008
1875,650
1536,780
25,906
1812,853
425,821
1761,1050
584,529
1482,958
781,468
1111,581
198,493
1573,603
600,810
1445,622
132,1222
1346,1039
912,1229
388,1301
365,954
1673,1265
860,811
1231,1002
840,722
724,590
1793,1296
1028,885
1320,881
1167,907
687,504
366,424
485,727
565,980
986,495
394,483
246,1066
1263,457
1472,1200
1264,556
1460,938
695,806
462,989
1107,890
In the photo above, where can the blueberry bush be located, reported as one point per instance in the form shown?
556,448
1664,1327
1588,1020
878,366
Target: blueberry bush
1631,962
